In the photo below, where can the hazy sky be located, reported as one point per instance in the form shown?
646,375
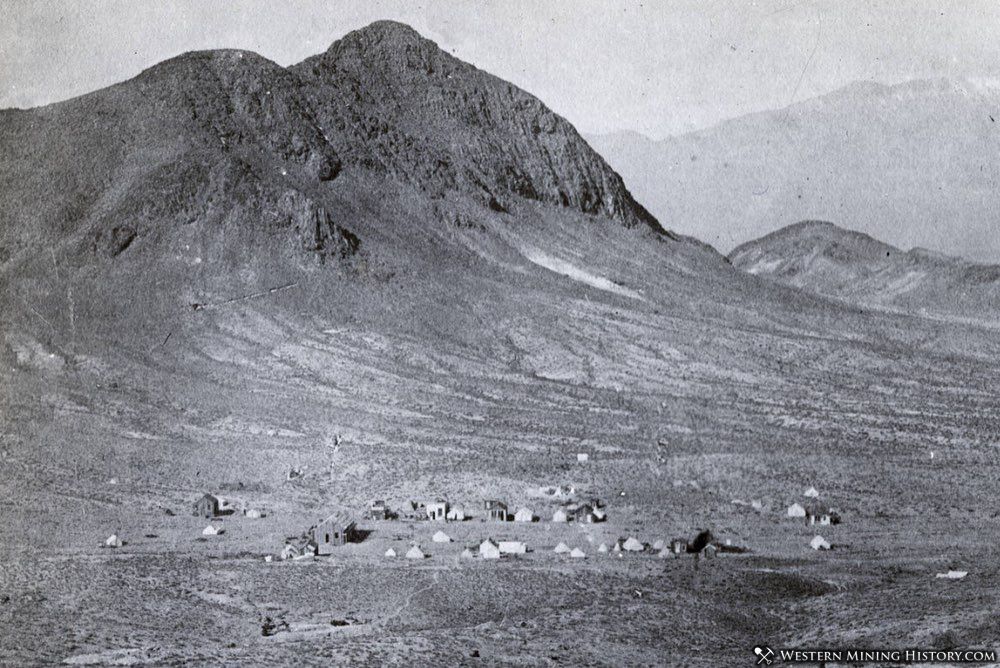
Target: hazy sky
659,67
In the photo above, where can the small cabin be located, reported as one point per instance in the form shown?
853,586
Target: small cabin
496,510
379,510
678,546
333,531
298,548
524,515
211,505
438,510
817,513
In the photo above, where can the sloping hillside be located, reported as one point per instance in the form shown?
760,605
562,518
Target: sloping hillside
831,261
904,163
400,278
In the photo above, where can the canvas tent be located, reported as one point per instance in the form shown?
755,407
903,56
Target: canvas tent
811,493
512,547
390,553
467,554
489,550
524,515
113,541
415,553
457,514
603,548
211,530
952,575
560,516
819,543
561,548
633,545
659,544
796,510
441,537
577,553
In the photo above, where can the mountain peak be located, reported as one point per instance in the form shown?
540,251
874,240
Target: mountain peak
396,103
387,29
382,41
812,238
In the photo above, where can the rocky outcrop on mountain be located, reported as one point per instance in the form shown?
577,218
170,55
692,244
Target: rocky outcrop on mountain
393,102
229,152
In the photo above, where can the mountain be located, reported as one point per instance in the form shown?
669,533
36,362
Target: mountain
828,260
910,163
384,274
219,174
400,104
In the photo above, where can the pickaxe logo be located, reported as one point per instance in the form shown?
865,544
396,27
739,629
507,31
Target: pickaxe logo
764,654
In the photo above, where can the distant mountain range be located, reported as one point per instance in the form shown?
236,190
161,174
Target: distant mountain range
915,164
851,266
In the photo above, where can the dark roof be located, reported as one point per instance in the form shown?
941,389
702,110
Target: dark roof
817,507
338,518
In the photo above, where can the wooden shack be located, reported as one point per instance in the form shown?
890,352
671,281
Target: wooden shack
495,510
333,531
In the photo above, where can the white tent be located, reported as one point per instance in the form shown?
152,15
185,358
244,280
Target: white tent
415,553
617,547
467,554
811,493
664,553
489,550
659,544
524,515
457,514
633,545
819,543
513,547
441,537
603,548
952,575
582,457
577,553
390,553
796,510
560,516
561,548
254,513
113,541
757,505
211,530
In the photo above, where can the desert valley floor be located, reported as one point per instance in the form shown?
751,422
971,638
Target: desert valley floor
406,279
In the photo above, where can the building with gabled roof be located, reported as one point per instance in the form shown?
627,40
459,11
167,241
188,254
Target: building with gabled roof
336,529
496,510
